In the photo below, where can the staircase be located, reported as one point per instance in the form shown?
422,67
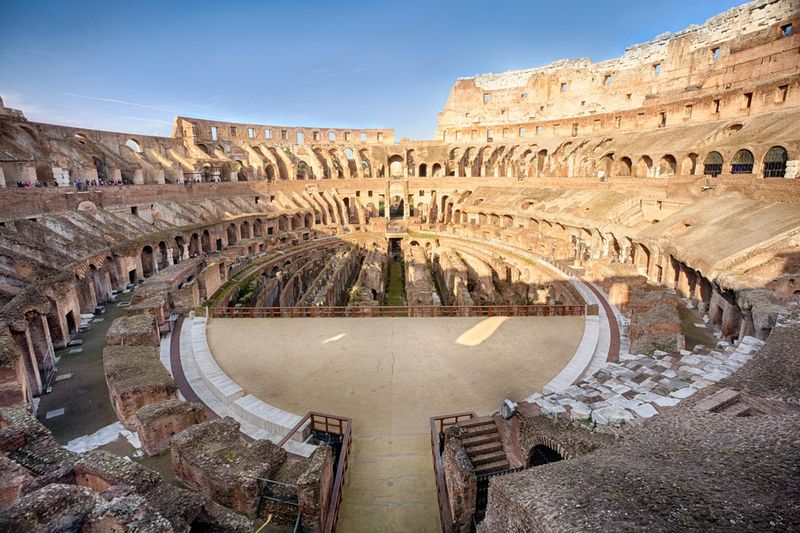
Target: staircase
481,440
727,401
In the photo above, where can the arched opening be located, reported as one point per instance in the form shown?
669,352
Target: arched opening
605,165
423,170
258,228
283,224
178,252
206,242
689,165
742,162
133,145
541,159
194,245
436,170
666,166
775,162
246,229
643,167
624,166
163,255
308,220
148,261
396,166
269,170
233,234
712,166
542,455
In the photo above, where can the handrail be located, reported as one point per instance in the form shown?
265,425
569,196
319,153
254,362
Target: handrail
338,425
438,425
399,311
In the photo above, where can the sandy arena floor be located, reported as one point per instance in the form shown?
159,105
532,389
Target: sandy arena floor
390,375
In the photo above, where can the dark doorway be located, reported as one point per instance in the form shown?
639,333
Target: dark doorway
71,326
542,455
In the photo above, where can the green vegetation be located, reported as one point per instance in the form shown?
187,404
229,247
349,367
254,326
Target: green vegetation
395,284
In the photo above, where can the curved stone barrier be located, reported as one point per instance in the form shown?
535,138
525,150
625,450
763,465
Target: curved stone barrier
217,381
253,413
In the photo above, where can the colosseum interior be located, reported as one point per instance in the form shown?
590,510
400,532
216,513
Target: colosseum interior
577,308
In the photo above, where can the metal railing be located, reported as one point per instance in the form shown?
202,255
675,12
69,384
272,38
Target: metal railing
438,425
331,425
399,311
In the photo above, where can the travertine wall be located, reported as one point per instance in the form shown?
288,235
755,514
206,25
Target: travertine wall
739,51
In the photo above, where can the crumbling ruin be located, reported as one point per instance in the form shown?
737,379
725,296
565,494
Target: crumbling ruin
655,195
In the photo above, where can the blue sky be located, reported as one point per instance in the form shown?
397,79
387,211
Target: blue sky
133,66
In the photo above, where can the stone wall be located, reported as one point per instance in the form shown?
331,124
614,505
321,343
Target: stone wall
156,423
135,378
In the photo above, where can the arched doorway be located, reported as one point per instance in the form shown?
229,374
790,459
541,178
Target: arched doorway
148,262
712,166
775,162
206,242
396,166
742,162
542,455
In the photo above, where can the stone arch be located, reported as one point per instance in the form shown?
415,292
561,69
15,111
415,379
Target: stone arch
644,167
179,250
667,166
712,165
775,162
206,241
232,233
624,167
258,228
148,260
163,260
742,162
245,229
423,170
436,170
134,145
269,171
194,245
689,165
605,164
395,166
308,220
542,454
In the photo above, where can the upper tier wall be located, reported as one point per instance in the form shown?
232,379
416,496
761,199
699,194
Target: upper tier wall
738,51
196,129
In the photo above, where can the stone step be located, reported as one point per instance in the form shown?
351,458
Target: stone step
488,468
736,409
475,422
480,440
480,449
719,400
478,431
488,458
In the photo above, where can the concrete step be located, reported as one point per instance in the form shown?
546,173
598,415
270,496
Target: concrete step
480,440
488,458
736,409
480,449
488,468
719,400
